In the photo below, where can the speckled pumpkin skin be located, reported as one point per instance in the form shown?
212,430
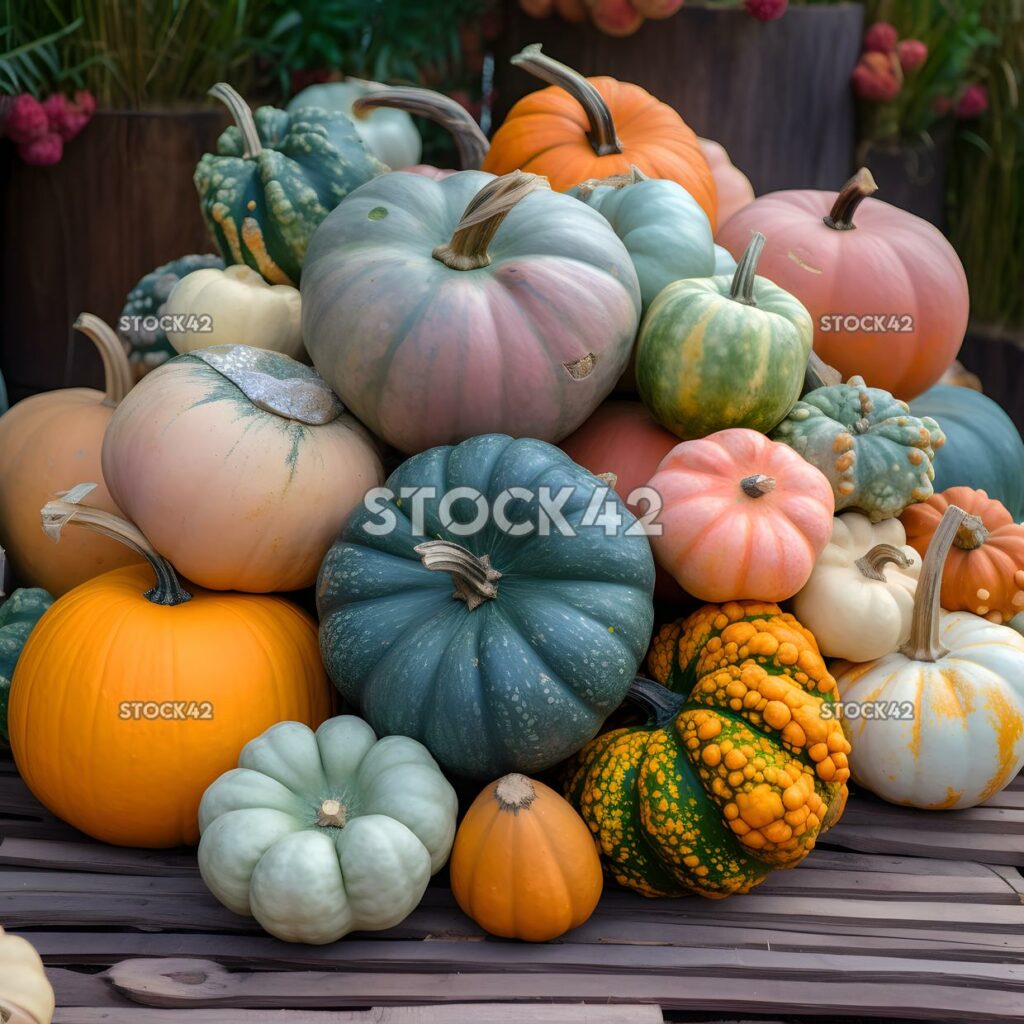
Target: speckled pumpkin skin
18,616
875,453
741,780
263,210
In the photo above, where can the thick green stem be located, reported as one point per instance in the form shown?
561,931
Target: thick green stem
742,289
661,704
850,196
243,117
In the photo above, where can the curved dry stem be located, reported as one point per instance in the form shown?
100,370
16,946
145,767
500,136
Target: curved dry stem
472,574
872,562
243,117
742,289
117,371
850,196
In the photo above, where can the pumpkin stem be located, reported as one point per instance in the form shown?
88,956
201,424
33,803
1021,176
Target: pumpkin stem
819,374
850,196
661,704
467,249
971,534
514,792
757,485
610,479
924,643
872,562
633,176
117,371
243,117
332,814
602,134
742,289
58,513
472,575
470,141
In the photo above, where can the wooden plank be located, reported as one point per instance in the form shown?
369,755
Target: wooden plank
822,858
991,820
95,857
73,988
990,849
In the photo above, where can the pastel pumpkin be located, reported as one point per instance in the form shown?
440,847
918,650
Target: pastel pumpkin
48,443
741,516
507,308
984,570
158,688
26,996
18,617
859,599
952,731
848,257
524,865
580,128
731,184
240,465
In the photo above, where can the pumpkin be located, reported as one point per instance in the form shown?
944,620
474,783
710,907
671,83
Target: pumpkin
724,263
388,133
18,616
500,645
4,405
157,688
860,595
946,729
441,310
741,516
721,352
983,448
738,768
145,339
48,443
470,142
240,465
665,231
984,571
731,184
957,375
26,997
524,865
316,834
235,306
885,289
274,178
580,128
877,456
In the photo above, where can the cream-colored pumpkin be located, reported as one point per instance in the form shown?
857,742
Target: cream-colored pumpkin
26,997
235,306
940,723
860,597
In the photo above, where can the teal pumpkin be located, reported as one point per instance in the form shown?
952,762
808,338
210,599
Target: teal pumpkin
721,352
275,176
875,453
147,344
498,652
3,395
983,448
18,615
724,263
664,229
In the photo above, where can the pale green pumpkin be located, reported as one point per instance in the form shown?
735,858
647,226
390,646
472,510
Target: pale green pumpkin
721,352
319,834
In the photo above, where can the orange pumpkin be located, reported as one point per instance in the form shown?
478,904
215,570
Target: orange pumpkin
583,128
524,865
48,443
129,700
984,571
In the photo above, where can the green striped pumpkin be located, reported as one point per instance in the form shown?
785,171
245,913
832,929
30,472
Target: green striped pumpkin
721,352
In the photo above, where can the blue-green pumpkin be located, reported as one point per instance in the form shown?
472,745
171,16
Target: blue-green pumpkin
3,395
983,448
18,616
499,652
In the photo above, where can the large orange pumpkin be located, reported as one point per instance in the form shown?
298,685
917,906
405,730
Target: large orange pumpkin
49,443
581,128
130,699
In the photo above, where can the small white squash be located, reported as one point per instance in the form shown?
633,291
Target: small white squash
235,306
319,834
26,997
940,723
860,598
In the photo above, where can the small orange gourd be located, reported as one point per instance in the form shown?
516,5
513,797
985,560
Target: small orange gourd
524,865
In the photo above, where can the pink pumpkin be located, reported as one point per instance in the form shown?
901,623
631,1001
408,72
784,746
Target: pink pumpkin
733,186
742,517
885,289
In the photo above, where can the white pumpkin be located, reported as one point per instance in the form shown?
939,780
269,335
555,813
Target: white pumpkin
235,306
319,834
859,599
26,997
940,723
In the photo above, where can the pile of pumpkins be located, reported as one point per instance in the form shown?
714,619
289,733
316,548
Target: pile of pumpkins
758,521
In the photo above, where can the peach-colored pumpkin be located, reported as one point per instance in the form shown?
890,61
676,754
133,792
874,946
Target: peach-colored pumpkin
49,443
733,186
742,517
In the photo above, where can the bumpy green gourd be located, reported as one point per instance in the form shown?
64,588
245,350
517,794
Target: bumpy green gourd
18,615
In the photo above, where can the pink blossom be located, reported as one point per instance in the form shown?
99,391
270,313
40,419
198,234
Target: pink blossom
766,10
912,53
26,119
67,119
880,38
43,150
875,78
974,101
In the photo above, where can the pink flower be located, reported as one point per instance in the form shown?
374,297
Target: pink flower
68,118
43,150
26,119
874,78
974,101
85,101
880,38
766,10
912,53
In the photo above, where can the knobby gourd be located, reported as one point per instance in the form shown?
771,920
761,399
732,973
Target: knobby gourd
18,617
